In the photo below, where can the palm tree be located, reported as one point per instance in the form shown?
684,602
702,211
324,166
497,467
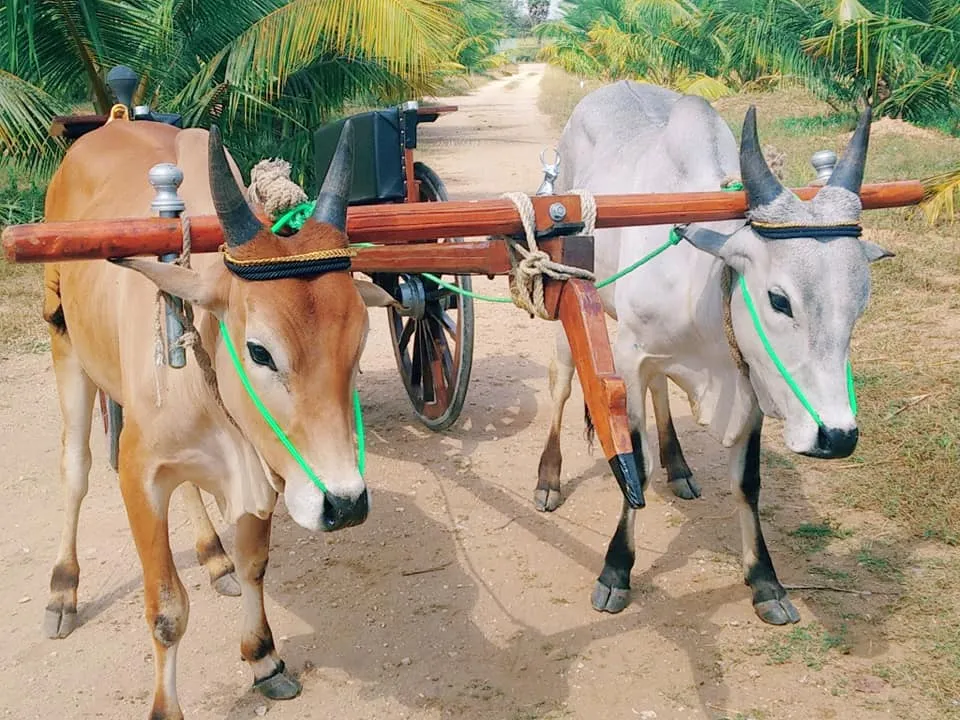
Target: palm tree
278,68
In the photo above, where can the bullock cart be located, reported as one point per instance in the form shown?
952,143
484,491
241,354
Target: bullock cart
408,236
382,214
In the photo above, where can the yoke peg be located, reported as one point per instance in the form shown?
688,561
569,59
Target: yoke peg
166,179
823,161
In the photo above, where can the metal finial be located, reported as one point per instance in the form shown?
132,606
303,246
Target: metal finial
823,161
166,178
550,172
123,82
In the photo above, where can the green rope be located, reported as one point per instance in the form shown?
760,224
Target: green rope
295,217
674,239
278,431
773,355
466,293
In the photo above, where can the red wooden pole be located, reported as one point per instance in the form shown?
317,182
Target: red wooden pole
404,223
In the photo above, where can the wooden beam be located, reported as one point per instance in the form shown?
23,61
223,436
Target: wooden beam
405,223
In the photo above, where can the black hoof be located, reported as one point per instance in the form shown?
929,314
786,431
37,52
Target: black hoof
227,585
279,686
684,488
777,612
607,599
547,500
58,623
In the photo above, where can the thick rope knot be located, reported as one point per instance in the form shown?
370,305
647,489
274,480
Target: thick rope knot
526,286
272,188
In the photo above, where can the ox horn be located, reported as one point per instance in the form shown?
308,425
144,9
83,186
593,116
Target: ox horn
760,183
334,194
848,173
239,223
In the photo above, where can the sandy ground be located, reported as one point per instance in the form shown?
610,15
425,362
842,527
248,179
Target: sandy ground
501,626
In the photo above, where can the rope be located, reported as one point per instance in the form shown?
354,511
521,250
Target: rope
272,188
526,286
726,291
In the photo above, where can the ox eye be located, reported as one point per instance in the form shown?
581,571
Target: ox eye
261,356
780,303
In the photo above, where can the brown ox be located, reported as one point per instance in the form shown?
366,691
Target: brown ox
299,339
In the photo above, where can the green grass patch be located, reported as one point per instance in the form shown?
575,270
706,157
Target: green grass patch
807,644
878,563
815,124
838,576
814,537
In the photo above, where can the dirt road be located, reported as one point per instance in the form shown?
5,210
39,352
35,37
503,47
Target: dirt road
500,627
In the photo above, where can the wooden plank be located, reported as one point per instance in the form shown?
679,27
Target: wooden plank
404,223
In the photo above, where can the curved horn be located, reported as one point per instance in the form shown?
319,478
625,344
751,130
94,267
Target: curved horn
848,173
759,181
335,192
239,223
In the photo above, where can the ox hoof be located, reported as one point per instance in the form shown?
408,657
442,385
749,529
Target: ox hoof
685,488
58,623
547,500
607,599
227,585
279,686
777,612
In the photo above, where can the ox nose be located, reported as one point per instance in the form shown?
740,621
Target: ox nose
834,443
340,512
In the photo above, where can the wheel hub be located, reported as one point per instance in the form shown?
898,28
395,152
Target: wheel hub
413,296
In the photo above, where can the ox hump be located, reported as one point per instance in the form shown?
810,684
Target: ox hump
698,141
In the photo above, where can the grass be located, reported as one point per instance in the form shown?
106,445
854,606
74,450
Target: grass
560,93
814,537
808,644
905,475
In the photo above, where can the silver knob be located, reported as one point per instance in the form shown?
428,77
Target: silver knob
823,161
166,178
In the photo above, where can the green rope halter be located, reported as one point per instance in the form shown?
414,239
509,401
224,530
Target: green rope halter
278,431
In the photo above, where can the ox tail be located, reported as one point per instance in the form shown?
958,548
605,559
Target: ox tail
589,430
52,306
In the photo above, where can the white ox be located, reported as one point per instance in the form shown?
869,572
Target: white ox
809,289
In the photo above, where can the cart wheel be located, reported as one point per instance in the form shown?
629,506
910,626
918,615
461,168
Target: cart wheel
433,343
112,424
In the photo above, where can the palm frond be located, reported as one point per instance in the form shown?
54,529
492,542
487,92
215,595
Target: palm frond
941,196
25,115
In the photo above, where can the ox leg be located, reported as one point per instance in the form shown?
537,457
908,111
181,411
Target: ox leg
770,600
210,552
679,476
256,644
167,607
547,497
77,394
612,590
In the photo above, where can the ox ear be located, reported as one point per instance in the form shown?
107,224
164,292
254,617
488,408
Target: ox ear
874,252
373,295
733,249
182,282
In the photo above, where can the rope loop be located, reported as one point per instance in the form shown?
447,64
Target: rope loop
526,286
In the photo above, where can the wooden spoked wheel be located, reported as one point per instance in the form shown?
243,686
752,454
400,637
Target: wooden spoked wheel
433,344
